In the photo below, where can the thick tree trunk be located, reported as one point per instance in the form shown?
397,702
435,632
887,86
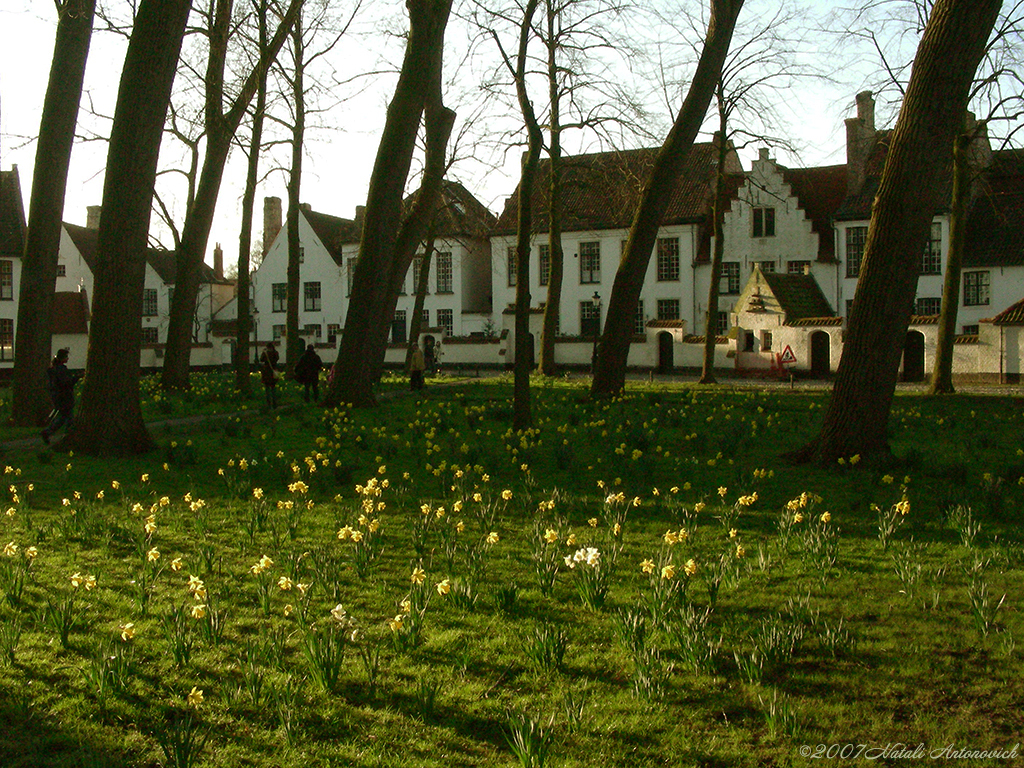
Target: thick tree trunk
195,235
942,375
553,305
856,421
355,374
707,375
110,422
613,353
31,403
293,343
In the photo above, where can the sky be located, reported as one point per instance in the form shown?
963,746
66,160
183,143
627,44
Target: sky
340,154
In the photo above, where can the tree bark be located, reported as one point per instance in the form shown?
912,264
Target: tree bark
220,130
857,417
33,344
293,343
613,352
371,281
110,422
422,286
553,305
942,374
707,375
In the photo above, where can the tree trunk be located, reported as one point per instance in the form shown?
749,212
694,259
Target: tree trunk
613,353
32,347
371,281
243,381
707,375
293,343
553,305
195,235
942,375
422,286
932,113
110,422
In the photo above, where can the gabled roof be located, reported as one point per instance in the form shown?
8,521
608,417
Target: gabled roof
995,225
1012,315
819,192
162,261
334,232
70,313
12,215
602,190
799,296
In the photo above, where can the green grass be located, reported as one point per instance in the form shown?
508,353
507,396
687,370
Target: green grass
788,633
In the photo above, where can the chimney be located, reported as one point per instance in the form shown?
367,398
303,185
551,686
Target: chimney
979,156
271,221
860,141
306,207
360,213
92,216
218,262
762,154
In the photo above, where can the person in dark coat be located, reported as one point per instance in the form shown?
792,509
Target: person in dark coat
416,367
268,373
61,384
307,372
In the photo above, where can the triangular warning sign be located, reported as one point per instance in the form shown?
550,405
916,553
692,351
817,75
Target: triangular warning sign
787,355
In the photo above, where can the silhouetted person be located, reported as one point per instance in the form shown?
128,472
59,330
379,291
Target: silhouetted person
61,384
307,372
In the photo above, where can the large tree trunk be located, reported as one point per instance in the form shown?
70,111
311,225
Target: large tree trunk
421,288
942,375
195,235
707,375
553,305
919,157
613,353
32,350
243,380
371,281
110,422
293,343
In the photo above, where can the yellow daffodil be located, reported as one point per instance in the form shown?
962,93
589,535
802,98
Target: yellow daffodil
199,611
285,583
153,555
668,571
690,569
127,631
550,535
443,587
194,698
11,549
418,575
647,566
492,537
176,564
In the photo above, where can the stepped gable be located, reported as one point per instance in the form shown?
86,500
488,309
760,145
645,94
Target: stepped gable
820,192
12,215
603,190
995,225
799,296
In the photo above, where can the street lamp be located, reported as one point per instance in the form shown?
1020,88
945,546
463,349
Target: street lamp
595,319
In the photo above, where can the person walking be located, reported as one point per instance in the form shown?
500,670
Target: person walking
416,367
307,372
61,384
269,373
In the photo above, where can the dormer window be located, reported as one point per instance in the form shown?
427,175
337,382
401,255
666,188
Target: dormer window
764,222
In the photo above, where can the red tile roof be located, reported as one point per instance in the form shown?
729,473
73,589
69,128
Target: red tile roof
1012,315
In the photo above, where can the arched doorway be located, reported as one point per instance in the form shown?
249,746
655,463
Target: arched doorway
666,362
913,356
821,354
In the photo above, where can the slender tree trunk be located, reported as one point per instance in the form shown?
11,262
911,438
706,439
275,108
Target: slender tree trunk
32,350
243,380
220,130
857,417
422,286
371,281
707,375
110,422
613,352
293,343
942,375
553,305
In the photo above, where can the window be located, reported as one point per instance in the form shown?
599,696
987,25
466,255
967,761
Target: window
639,322
398,330
590,318
969,330
668,259
766,341
333,332
62,270
668,309
764,222
278,297
798,267
544,251
312,331
722,324
931,258
302,254
311,297
444,272
149,302
510,257
277,332
730,280
855,237
976,289
6,338
425,318
417,267
446,319
928,306
6,280
590,263
350,271
767,267
150,335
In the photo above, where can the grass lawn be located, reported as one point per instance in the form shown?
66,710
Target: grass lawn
634,583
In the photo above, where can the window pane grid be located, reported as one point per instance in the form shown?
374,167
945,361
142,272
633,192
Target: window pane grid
668,259
590,263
